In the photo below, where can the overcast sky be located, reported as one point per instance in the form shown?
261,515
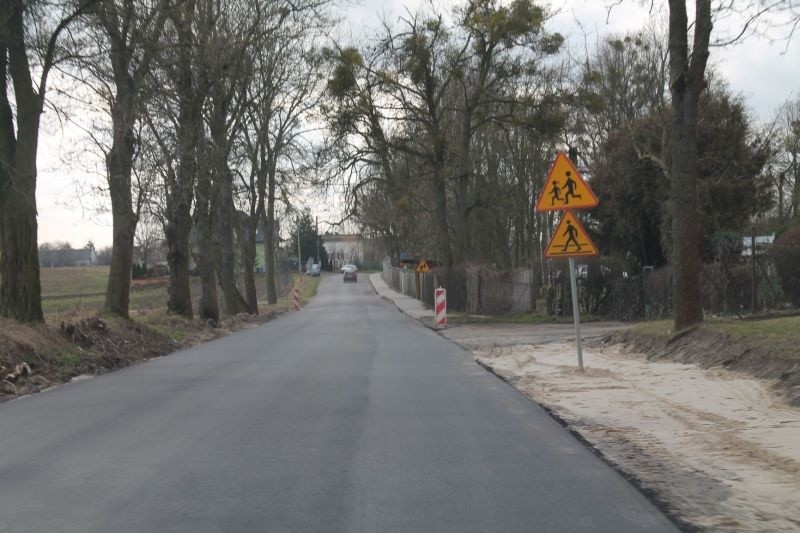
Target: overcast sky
765,73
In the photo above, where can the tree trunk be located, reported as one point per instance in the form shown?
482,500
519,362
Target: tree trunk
119,279
179,187
119,165
796,188
247,240
440,192
687,80
20,286
227,244
462,190
687,298
177,231
209,303
269,240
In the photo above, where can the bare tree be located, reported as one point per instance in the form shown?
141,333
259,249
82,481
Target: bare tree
30,36
503,41
133,32
175,121
687,67
284,90
786,164
148,237
175,124
409,110
238,32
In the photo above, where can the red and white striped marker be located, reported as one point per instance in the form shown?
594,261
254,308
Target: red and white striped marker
441,307
296,298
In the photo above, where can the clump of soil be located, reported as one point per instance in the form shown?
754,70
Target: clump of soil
23,346
709,349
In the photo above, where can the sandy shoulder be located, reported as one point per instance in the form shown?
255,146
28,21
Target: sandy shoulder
718,448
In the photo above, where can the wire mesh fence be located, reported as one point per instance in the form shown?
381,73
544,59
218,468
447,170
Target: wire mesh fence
605,289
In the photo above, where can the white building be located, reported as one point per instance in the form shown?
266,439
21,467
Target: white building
352,249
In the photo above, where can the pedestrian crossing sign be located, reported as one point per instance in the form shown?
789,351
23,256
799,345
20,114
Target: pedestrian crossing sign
565,188
570,239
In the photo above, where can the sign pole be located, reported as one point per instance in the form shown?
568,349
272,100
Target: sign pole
576,312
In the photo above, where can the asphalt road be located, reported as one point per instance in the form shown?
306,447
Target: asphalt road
345,416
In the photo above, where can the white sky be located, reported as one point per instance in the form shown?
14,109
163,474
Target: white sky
765,73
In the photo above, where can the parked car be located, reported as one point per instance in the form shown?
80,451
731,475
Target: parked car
315,270
350,274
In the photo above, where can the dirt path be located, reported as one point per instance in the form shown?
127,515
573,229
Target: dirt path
720,450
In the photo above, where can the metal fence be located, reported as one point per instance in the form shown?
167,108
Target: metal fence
494,292
605,289
474,289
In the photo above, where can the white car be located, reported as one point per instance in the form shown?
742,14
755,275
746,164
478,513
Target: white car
348,267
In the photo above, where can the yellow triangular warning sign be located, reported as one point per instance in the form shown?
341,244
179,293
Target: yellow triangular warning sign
570,239
422,266
565,188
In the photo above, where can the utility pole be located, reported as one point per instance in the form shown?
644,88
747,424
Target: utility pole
299,255
316,230
753,273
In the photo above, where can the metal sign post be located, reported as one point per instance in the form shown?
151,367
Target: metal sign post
576,314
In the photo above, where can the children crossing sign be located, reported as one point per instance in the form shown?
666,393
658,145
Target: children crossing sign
570,239
565,188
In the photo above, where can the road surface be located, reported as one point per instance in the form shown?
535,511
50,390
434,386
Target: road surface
345,416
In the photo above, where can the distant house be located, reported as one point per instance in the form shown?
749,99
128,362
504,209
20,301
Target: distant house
763,244
67,257
261,258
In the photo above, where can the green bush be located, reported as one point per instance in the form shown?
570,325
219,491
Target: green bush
786,256
139,271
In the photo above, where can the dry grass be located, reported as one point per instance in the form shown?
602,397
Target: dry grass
74,292
56,356
780,336
73,281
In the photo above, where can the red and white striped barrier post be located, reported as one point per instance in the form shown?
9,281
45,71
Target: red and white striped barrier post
296,298
441,307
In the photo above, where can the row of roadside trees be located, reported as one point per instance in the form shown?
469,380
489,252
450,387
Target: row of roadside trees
445,126
201,105
439,130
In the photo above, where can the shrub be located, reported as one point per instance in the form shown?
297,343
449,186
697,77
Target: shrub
786,256
139,271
